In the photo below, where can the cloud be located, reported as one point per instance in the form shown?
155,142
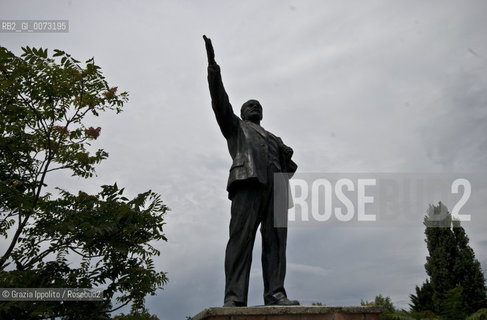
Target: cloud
315,270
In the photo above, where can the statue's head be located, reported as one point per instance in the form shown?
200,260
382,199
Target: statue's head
252,111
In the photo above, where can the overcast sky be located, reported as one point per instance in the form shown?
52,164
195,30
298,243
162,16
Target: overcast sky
352,86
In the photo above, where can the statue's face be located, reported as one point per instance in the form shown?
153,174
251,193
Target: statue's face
252,111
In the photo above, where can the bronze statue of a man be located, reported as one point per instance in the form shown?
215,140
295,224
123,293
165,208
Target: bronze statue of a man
257,155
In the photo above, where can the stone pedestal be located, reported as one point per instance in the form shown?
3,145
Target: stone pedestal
290,313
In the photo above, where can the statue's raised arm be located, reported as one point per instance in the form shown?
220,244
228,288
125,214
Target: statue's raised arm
209,51
225,117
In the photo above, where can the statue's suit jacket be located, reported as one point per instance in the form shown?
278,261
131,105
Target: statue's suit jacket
247,142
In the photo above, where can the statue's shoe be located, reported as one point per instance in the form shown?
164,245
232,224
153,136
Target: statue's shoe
280,299
285,302
231,303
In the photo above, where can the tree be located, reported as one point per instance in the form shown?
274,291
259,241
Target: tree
479,315
44,107
456,279
141,314
453,306
468,272
381,301
423,300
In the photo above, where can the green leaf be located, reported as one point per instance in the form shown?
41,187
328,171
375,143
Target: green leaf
58,53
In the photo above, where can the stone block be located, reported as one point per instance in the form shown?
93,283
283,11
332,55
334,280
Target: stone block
291,313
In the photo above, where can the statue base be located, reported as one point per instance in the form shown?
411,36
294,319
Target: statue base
290,313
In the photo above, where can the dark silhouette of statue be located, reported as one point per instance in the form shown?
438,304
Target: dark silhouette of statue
257,155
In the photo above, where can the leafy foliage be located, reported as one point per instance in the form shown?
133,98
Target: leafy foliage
384,302
44,104
453,307
423,299
404,315
136,315
456,286
451,262
479,315
468,272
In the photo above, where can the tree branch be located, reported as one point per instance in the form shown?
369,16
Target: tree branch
22,224
40,256
58,168
84,255
119,307
38,116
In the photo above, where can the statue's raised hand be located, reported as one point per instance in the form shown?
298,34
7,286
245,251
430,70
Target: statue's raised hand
209,51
